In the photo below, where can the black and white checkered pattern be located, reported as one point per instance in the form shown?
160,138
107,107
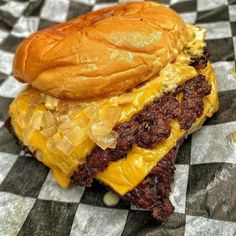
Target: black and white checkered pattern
204,191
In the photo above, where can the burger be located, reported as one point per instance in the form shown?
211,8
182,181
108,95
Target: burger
111,96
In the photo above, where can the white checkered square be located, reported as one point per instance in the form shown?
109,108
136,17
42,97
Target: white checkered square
225,75
13,212
196,226
94,221
232,12
14,8
217,30
55,10
86,2
121,1
177,1
234,41
25,26
11,87
52,191
102,5
213,144
179,188
6,162
203,5
6,62
3,35
189,17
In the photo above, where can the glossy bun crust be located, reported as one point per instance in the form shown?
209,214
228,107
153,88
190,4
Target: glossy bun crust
103,52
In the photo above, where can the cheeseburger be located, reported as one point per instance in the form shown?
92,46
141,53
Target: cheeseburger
112,95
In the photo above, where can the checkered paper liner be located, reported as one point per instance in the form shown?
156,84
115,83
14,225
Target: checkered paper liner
204,190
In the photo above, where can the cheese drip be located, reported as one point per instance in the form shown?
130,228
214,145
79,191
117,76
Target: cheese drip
57,145
125,174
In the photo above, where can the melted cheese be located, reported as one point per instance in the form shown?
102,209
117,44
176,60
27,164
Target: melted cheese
125,174
62,167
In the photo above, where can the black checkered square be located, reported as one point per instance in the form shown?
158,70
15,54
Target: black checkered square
212,185
221,49
49,218
7,143
10,43
141,223
227,109
218,14
185,6
25,178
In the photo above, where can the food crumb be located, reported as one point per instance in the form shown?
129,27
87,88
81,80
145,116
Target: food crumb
233,136
233,73
110,199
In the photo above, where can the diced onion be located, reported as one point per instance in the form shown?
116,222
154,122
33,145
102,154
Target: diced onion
66,127
51,102
48,120
48,132
26,118
92,111
51,145
21,119
51,142
49,124
81,119
64,119
106,141
27,135
36,120
62,108
65,146
75,136
35,99
101,127
111,114
74,108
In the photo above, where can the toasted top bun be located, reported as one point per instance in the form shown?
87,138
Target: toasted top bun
103,52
